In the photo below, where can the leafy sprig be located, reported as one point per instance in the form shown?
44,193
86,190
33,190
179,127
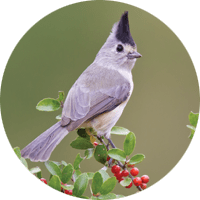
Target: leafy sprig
66,176
193,118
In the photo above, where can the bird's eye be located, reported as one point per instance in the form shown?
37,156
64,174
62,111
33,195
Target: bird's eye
120,48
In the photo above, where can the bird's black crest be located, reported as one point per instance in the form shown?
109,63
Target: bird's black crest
123,31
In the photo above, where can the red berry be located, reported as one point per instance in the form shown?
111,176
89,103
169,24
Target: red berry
130,166
129,186
134,171
108,158
145,179
66,191
70,192
95,143
137,181
118,175
125,173
115,169
44,180
143,186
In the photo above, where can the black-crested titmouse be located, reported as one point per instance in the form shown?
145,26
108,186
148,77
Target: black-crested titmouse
98,97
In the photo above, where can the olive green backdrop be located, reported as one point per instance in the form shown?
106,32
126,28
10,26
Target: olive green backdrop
56,50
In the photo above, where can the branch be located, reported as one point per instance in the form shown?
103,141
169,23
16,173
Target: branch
110,161
102,141
121,164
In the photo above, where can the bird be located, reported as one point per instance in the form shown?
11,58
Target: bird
98,97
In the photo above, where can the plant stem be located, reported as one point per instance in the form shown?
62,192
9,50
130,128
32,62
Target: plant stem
111,143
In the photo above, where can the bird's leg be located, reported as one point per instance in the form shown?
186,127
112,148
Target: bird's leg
111,143
110,162
107,146
102,141
113,146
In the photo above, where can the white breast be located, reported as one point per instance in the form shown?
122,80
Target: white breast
103,123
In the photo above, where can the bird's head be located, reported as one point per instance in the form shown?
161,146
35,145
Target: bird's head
119,48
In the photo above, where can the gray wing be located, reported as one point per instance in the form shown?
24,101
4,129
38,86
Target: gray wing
83,103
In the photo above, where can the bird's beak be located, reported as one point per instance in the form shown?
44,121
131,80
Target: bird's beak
133,55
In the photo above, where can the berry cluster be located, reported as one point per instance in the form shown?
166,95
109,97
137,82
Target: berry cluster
137,181
69,192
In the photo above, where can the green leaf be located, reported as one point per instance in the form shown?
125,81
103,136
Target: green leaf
55,182
81,143
107,196
84,197
90,175
64,163
17,152
193,118
67,187
24,162
57,163
100,153
48,104
80,185
119,196
191,134
67,173
136,159
59,117
77,161
119,130
111,196
129,143
61,96
117,154
53,168
108,186
125,182
191,127
35,170
97,182
89,153
104,175
77,173
82,133
50,176
39,175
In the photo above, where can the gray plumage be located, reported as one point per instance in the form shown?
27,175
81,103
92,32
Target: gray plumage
40,148
97,98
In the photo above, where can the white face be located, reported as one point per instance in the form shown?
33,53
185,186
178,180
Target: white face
122,53
117,54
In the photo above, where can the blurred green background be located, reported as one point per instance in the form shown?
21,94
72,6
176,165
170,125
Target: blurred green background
57,49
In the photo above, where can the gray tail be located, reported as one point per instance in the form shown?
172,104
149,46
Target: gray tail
40,149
